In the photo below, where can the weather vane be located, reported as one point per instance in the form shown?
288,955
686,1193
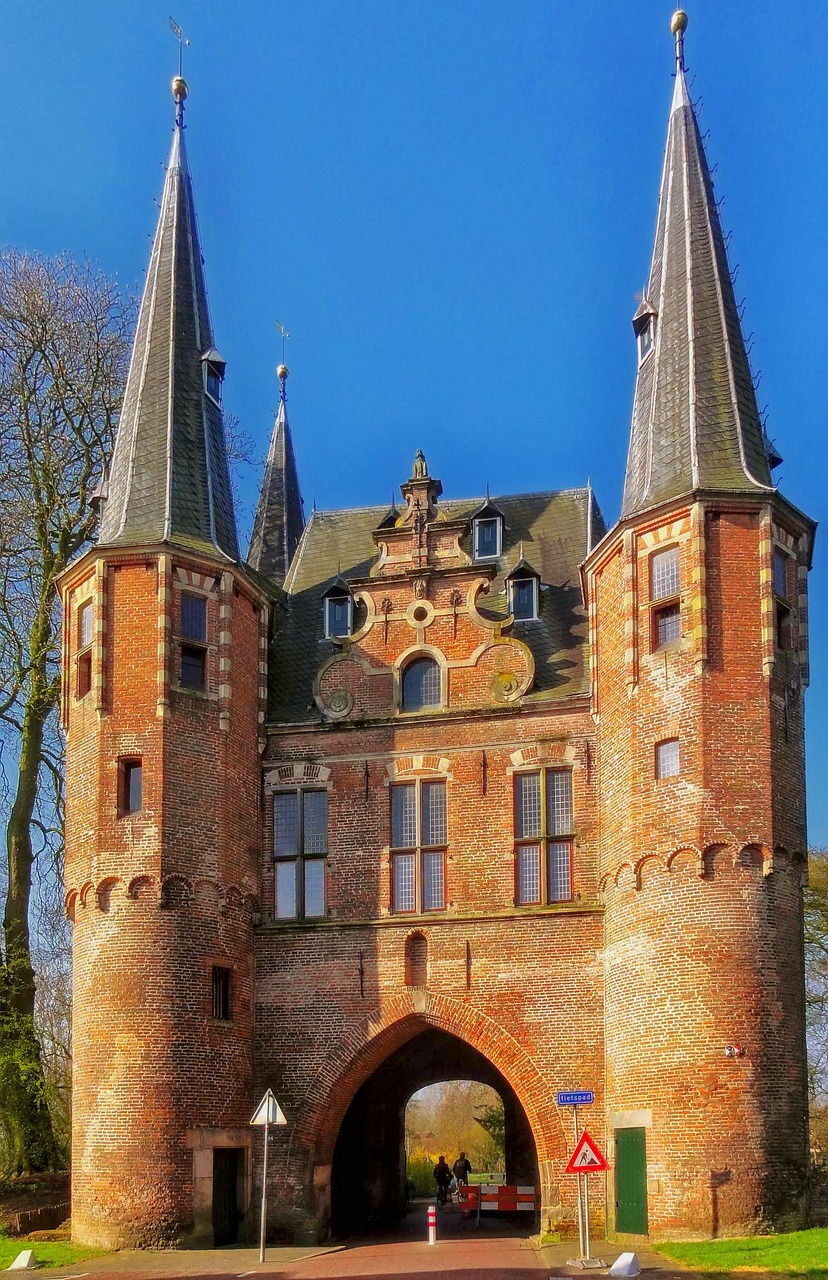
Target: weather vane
179,35
285,336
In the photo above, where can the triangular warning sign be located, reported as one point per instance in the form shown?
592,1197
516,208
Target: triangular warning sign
586,1158
269,1111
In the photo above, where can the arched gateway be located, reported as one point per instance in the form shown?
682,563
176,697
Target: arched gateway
348,1144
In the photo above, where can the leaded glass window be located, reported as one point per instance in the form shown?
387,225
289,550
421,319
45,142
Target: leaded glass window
300,845
421,685
543,814
419,835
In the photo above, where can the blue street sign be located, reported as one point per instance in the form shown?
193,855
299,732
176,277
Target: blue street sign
576,1098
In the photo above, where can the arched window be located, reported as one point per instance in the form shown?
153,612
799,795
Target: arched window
416,960
421,685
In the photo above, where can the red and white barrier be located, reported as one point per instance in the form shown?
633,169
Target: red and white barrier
494,1197
432,1224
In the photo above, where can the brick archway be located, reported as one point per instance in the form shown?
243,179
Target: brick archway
398,1021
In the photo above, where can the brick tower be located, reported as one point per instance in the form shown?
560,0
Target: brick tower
163,630
699,655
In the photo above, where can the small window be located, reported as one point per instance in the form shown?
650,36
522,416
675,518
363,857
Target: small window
646,339
221,993
131,786
338,616
524,593
421,685
213,378
665,574
667,758
666,625
85,625
193,667
544,833
300,847
487,538
418,846
194,617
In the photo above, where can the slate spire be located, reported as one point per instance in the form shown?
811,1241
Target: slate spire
280,515
169,480
695,421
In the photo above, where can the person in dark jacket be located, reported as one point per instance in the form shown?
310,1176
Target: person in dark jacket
442,1176
462,1169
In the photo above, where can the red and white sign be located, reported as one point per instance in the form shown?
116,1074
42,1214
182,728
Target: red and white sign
586,1158
498,1198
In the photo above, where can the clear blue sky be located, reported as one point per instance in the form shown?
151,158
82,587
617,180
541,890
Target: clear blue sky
451,207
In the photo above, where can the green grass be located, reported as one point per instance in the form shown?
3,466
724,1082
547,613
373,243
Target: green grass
49,1253
799,1253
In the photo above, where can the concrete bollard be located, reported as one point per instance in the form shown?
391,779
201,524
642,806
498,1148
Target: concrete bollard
432,1224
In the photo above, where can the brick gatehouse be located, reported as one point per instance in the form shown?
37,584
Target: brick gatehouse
475,788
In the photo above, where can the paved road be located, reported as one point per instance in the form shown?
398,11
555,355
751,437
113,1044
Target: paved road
495,1251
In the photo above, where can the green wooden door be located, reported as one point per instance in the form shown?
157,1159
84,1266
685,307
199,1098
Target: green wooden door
631,1181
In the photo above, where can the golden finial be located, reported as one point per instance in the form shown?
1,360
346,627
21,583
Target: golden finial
678,22
282,372
179,88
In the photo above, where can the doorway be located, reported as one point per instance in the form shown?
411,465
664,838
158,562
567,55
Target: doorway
631,1181
227,1168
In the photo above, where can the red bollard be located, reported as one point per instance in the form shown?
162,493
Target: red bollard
432,1224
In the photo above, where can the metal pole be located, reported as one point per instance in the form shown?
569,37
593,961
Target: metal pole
263,1225
586,1213
578,1185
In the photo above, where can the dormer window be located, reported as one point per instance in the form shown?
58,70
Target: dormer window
523,588
487,538
644,328
339,611
523,599
646,340
213,364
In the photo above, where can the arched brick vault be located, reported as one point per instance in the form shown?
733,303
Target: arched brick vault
390,1027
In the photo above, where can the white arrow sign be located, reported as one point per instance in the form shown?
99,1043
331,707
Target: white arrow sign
269,1111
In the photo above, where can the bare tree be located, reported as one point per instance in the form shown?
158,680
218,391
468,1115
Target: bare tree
816,994
64,342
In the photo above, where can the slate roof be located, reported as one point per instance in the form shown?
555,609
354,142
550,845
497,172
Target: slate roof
169,480
280,515
695,422
556,530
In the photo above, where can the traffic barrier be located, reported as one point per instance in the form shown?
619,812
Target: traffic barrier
495,1197
432,1224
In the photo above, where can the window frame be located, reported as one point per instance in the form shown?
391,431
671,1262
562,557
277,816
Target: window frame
191,645
330,634
546,839
84,649
221,993
300,859
662,605
645,339
418,851
528,577
213,374
783,614
676,773
477,555
126,767
412,661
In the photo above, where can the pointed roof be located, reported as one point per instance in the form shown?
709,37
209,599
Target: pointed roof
280,515
169,480
695,422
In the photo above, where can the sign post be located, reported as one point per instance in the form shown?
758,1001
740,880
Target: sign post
587,1159
267,1113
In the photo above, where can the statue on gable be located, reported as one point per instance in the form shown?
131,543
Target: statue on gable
420,471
